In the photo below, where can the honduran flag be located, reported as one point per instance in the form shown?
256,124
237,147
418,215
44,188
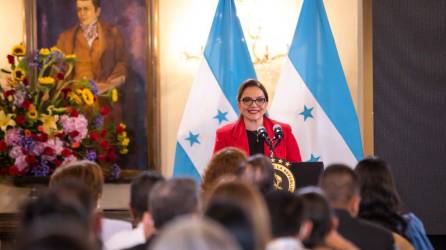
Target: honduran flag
312,94
212,100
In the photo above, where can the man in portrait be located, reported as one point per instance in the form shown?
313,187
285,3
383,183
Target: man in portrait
98,46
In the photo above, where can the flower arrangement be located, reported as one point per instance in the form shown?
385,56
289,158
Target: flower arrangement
47,119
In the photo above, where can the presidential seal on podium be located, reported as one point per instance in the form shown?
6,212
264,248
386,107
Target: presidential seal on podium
283,177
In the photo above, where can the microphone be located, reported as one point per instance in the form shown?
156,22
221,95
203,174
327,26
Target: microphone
261,132
278,132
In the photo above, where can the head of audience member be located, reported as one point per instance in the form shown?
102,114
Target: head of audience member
172,198
225,162
258,169
286,213
375,172
50,235
191,233
380,202
87,172
341,186
139,193
318,212
234,219
251,200
69,204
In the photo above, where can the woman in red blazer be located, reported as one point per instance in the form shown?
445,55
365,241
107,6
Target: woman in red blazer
252,102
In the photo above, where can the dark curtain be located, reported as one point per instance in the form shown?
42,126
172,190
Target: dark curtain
409,70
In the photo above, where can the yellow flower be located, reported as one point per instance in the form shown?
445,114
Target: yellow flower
125,141
32,113
6,120
48,80
44,52
55,49
74,98
18,74
124,151
114,95
70,58
88,97
18,50
49,123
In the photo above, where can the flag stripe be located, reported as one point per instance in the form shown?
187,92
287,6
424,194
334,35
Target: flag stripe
205,99
227,53
314,55
332,147
183,165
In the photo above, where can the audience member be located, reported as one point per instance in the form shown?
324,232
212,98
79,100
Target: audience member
287,225
225,162
341,186
194,233
251,200
171,199
68,204
381,203
139,201
258,169
235,220
90,173
323,234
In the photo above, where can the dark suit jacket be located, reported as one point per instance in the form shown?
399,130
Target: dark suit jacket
234,135
365,235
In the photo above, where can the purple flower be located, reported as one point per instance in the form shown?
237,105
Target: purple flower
98,121
91,155
41,170
94,88
26,143
115,172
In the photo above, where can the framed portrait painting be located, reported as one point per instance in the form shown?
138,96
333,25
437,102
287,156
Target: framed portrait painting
115,43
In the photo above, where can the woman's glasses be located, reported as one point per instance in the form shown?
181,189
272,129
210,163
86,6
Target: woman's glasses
248,101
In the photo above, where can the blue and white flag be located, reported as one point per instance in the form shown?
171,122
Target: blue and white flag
213,98
312,94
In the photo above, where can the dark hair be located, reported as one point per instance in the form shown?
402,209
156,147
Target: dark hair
380,201
340,184
373,171
50,235
286,211
318,211
262,169
172,198
225,161
234,219
251,83
96,3
140,190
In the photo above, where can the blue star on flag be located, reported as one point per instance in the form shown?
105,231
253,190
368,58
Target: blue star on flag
314,158
307,112
193,138
221,116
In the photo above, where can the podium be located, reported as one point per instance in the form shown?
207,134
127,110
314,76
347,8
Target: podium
292,176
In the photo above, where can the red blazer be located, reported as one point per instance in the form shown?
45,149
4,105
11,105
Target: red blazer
234,135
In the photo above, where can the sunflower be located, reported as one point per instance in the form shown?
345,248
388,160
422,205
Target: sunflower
18,74
18,50
44,52
88,97
46,81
